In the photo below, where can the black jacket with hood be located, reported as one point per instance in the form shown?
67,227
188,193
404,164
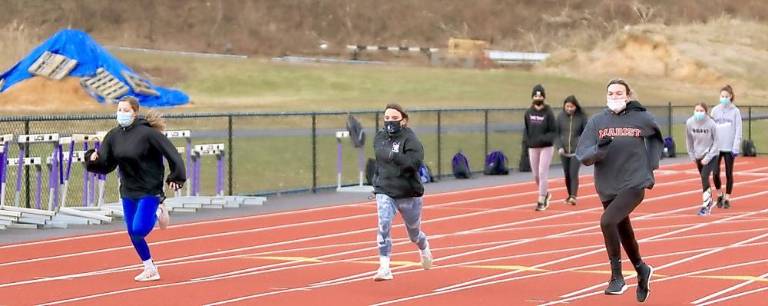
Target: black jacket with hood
629,159
138,150
540,127
398,158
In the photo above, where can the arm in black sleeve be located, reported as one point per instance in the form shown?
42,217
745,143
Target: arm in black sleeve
558,133
588,150
525,127
175,163
106,162
411,156
654,143
551,134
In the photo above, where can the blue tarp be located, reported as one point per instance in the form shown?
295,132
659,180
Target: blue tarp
90,56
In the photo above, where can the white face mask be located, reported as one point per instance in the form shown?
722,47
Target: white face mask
617,105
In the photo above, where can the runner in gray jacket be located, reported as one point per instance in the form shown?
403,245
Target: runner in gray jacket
570,123
625,145
701,142
728,119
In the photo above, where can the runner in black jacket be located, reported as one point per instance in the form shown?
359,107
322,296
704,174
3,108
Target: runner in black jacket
396,183
625,145
138,149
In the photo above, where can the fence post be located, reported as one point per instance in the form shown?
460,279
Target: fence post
439,147
669,119
314,152
376,122
749,129
231,152
485,131
26,169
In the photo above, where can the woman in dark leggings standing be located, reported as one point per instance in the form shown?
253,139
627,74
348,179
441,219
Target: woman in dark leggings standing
625,145
570,124
728,119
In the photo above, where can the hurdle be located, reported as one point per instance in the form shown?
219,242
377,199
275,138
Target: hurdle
37,216
86,214
361,187
7,218
186,151
196,200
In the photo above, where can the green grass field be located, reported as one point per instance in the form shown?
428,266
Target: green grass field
224,84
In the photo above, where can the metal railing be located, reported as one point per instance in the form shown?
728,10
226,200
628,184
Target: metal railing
285,152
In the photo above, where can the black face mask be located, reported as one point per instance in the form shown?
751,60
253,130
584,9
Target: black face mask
392,127
538,102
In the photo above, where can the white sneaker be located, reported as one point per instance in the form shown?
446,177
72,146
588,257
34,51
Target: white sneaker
148,275
426,259
383,274
163,218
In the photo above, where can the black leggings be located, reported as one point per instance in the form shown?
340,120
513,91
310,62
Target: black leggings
617,227
571,170
705,171
728,172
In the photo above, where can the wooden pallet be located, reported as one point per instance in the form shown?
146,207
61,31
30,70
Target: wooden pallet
52,65
138,84
105,84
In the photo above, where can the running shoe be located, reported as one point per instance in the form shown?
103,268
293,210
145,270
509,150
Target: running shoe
148,275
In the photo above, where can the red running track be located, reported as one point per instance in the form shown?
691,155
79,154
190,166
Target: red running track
490,248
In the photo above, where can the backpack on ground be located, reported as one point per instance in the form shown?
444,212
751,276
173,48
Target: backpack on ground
460,166
748,148
496,164
425,174
669,147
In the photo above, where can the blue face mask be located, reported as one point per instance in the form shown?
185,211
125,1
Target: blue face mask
698,116
124,119
725,101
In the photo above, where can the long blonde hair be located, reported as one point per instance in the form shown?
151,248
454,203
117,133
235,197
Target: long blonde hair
152,116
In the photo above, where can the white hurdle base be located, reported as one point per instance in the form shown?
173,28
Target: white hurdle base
89,217
356,188
193,203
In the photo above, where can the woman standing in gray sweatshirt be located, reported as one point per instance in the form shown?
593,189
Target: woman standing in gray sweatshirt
728,119
701,142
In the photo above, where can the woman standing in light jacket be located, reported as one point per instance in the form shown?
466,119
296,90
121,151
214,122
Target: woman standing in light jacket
728,119
701,142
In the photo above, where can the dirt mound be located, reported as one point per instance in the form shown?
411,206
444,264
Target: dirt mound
41,94
709,55
644,52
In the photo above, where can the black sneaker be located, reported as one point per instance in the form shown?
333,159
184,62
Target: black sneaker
726,204
644,274
616,286
720,201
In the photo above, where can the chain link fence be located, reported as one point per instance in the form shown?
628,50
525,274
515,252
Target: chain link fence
269,153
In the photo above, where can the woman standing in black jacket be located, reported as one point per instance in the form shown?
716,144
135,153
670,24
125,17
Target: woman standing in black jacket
570,123
396,183
138,148
539,134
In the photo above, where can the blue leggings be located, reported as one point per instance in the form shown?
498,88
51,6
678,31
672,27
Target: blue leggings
140,218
